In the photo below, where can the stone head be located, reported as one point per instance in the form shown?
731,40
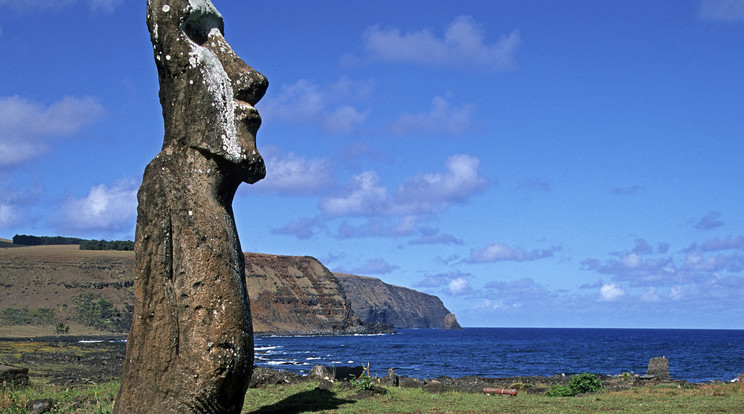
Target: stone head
207,92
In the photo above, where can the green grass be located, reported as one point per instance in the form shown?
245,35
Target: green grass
305,397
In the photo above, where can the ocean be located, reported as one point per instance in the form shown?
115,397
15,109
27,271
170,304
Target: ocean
694,355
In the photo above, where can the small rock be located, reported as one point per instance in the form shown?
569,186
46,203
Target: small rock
320,372
40,406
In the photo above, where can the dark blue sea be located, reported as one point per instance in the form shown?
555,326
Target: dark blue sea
694,355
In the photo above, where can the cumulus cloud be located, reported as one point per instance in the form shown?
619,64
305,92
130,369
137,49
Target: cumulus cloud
458,287
438,190
722,10
497,252
443,119
27,127
710,221
440,279
365,196
307,102
103,210
610,292
462,44
292,174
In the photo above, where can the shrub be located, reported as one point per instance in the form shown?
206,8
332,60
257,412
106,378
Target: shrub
579,384
364,381
13,316
96,312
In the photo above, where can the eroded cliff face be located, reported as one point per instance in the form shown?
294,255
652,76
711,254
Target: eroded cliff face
296,294
288,294
403,308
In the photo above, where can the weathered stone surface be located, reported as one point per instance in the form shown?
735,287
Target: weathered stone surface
190,348
450,322
400,307
320,372
40,406
658,367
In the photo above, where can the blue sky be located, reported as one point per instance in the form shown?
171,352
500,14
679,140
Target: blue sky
532,163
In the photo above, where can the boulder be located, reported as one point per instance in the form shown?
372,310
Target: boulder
659,367
320,372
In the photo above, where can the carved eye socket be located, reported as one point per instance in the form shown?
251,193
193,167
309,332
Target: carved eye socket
200,22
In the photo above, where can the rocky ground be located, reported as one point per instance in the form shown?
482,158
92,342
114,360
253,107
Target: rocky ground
85,360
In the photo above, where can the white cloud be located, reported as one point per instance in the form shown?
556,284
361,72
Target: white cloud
497,252
26,127
463,44
343,119
419,194
610,292
442,119
722,10
327,105
459,286
365,197
438,190
650,295
107,210
290,174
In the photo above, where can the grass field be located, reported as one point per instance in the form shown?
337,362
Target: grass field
306,398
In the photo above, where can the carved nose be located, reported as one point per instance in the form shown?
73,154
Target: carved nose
249,85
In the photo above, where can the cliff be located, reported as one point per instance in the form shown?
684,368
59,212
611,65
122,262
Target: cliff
375,301
296,294
42,286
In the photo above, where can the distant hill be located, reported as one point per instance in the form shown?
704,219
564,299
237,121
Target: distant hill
400,307
91,291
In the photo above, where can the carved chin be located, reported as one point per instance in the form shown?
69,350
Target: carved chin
252,169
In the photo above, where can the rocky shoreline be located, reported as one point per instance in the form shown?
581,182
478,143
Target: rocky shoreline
89,360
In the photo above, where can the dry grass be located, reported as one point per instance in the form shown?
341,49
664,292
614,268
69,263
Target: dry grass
67,250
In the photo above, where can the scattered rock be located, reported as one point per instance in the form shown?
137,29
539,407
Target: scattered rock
391,379
659,367
320,372
263,377
40,406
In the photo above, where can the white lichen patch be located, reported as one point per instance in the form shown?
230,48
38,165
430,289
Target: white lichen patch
166,8
218,85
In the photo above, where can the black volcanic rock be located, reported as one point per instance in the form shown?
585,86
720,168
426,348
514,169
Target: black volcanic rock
375,301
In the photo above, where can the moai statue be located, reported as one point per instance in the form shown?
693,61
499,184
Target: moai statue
190,348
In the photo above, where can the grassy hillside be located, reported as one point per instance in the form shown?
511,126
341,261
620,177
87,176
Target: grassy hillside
43,286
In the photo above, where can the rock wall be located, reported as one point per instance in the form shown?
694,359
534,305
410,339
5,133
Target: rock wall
288,293
296,294
376,301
